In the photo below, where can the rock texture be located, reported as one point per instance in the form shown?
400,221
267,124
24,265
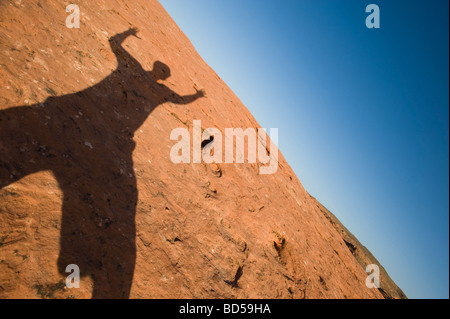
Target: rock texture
388,288
86,177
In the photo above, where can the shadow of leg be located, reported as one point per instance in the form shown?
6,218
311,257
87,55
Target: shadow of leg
98,233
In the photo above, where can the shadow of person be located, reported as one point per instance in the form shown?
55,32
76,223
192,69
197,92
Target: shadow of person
86,140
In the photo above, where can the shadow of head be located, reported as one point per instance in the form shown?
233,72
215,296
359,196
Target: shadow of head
161,71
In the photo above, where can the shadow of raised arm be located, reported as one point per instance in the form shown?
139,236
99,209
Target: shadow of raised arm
123,57
186,99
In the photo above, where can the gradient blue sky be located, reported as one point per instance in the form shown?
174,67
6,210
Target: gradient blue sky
363,114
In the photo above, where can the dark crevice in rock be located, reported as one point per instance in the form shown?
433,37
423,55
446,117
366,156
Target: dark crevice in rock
351,247
237,276
207,141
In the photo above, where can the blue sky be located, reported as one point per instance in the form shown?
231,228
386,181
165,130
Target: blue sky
363,114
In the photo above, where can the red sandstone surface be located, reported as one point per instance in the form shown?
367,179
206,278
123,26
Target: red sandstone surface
86,177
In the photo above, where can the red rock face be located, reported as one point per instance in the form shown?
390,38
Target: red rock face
86,176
